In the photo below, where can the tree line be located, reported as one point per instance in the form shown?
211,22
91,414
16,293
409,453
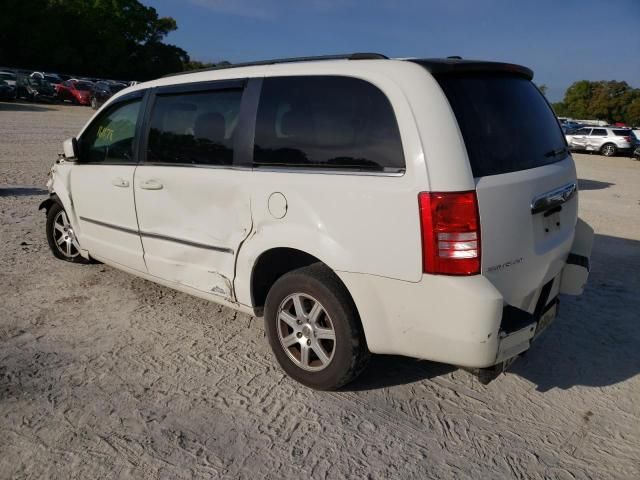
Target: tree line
611,101
104,38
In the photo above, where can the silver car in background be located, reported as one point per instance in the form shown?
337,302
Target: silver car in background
606,140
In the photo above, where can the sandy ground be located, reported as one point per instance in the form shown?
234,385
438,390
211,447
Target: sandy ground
103,375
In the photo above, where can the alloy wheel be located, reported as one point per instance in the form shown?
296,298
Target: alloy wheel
64,236
306,332
608,150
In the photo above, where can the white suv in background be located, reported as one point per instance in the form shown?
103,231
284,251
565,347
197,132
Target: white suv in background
606,140
360,204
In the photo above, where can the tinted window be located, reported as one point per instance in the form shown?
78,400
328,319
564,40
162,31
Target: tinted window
109,139
599,132
583,131
506,123
622,133
83,86
194,128
326,122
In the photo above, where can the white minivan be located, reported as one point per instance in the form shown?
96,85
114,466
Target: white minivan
425,208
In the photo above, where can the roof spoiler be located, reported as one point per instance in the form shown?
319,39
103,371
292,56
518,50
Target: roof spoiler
452,66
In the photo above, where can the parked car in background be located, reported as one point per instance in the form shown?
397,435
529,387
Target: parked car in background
569,126
570,130
7,92
425,208
9,77
34,88
606,140
103,91
75,91
53,79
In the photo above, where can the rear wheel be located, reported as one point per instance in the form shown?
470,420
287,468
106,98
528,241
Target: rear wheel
61,237
608,150
314,329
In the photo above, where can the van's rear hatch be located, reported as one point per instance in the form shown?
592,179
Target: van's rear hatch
525,178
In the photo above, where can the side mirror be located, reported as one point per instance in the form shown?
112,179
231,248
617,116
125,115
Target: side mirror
70,148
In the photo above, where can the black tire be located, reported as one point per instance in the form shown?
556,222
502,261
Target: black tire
608,150
94,103
349,350
53,235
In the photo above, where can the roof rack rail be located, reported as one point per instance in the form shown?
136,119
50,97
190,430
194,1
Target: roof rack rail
346,56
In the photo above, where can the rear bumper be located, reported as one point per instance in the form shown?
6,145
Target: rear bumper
445,319
457,320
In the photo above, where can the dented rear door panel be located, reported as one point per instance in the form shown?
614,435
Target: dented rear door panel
192,223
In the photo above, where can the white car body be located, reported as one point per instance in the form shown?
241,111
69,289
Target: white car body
606,140
203,230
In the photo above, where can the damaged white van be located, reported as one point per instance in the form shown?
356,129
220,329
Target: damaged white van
425,208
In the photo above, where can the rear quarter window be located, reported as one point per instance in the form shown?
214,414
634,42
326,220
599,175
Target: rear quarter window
326,122
506,123
622,133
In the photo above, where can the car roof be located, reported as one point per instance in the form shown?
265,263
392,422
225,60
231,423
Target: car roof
354,64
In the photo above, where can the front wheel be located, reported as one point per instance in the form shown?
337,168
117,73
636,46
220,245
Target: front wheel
314,329
61,237
608,150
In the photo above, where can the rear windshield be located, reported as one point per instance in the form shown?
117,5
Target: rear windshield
506,123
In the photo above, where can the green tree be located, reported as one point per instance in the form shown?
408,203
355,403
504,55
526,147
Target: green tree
633,111
611,100
109,38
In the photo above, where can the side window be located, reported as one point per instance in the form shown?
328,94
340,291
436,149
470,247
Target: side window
599,132
194,128
326,122
622,133
109,139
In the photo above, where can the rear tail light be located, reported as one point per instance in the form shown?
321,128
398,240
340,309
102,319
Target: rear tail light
450,233
627,139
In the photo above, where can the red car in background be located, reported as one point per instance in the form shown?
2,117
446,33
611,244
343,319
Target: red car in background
77,91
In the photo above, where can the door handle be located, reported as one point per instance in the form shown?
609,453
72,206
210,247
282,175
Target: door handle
120,182
151,185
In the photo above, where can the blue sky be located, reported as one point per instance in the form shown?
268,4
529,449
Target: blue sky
561,40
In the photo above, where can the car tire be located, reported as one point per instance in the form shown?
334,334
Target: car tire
60,236
608,150
303,310
94,103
